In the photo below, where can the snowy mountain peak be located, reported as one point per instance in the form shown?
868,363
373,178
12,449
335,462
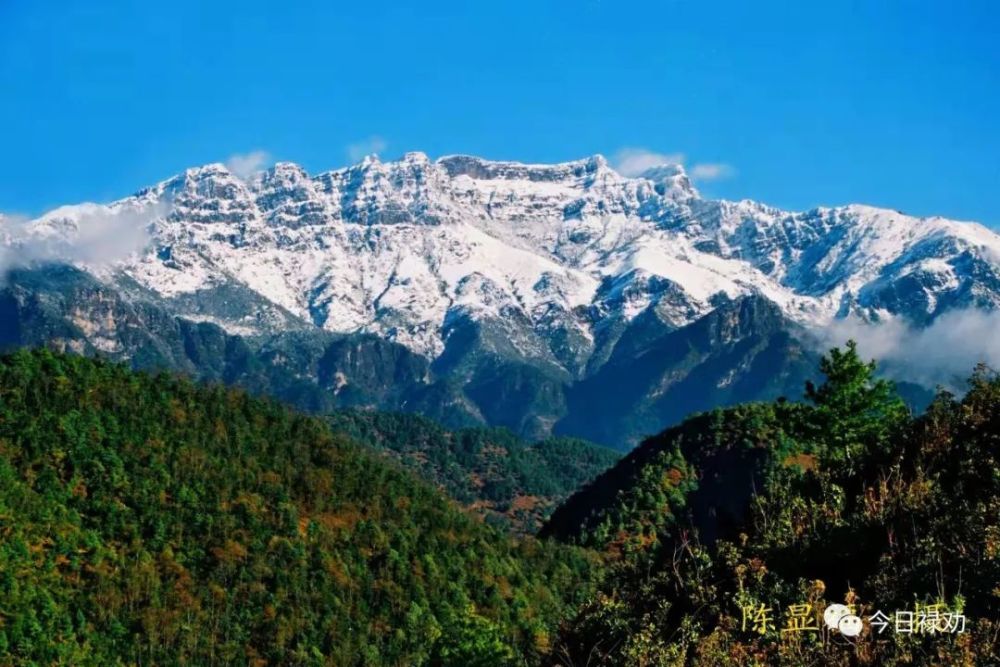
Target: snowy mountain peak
482,169
287,171
416,157
557,256
672,180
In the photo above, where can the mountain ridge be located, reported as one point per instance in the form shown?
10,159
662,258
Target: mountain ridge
546,219
516,282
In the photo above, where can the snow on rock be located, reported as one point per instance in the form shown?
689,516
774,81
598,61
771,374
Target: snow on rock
394,247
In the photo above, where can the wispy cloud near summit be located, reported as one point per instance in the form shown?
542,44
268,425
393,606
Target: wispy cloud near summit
359,149
634,161
89,234
245,165
711,171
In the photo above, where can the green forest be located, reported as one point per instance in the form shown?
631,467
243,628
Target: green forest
490,471
145,520
717,531
149,520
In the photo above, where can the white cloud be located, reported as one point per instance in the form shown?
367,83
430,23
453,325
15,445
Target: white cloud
360,149
245,165
943,353
711,171
87,234
634,161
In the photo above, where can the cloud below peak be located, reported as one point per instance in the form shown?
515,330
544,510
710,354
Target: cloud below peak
88,234
941,354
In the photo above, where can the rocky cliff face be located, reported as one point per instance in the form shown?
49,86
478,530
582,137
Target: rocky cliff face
540,297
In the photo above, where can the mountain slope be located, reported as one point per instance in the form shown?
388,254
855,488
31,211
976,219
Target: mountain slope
146,520
514,282
489,470
743,350
68,309
785,506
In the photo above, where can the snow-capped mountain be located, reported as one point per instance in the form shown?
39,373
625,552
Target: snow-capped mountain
466,262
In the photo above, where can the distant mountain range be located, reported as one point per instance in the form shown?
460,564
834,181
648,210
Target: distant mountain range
551,299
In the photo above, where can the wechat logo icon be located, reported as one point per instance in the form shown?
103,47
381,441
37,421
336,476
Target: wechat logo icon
839,617
850,625
833,614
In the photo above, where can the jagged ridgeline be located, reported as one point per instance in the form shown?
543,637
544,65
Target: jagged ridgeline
847,498
483,293
148,520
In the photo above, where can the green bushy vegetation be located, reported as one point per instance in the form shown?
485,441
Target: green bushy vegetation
145,520
491,471
847,498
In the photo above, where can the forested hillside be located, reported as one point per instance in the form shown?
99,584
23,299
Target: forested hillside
720,530
145,520
489,470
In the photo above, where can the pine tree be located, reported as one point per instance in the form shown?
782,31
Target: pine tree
855,411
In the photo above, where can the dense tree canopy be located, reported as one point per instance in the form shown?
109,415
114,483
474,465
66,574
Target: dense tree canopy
768,507
491,471
146,520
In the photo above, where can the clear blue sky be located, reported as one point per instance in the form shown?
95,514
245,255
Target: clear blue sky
881,102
